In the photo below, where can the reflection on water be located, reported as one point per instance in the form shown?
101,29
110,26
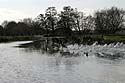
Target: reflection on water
49,46
30,64
111,51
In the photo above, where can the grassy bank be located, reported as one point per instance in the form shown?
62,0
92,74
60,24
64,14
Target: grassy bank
115,38
15,38
90,39
84,39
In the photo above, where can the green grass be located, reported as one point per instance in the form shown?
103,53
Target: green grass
96,37
114,38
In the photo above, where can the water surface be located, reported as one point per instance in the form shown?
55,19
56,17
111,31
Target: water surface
23,65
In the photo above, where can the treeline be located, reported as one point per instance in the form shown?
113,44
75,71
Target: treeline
66,23
25,27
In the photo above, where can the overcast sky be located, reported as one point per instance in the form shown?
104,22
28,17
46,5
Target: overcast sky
18,9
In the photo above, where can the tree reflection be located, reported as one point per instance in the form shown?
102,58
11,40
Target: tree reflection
49,45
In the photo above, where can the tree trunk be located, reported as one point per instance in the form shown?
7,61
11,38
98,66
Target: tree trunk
78,26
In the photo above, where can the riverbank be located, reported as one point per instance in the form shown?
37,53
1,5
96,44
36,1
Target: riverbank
90,39
15,38
80,39
115,38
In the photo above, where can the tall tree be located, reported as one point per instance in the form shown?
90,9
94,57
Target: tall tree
66,19
40,21
71,18
50,18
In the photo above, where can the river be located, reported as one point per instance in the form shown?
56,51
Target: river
22,65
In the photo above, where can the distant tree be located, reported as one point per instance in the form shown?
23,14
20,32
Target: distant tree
109,20
1,30
28,21
9,28
35,26
22,29
4,23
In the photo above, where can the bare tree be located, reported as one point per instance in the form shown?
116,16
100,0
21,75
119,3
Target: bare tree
109,20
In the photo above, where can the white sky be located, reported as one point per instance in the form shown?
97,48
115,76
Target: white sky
19,9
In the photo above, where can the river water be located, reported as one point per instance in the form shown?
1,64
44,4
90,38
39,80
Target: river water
22,65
